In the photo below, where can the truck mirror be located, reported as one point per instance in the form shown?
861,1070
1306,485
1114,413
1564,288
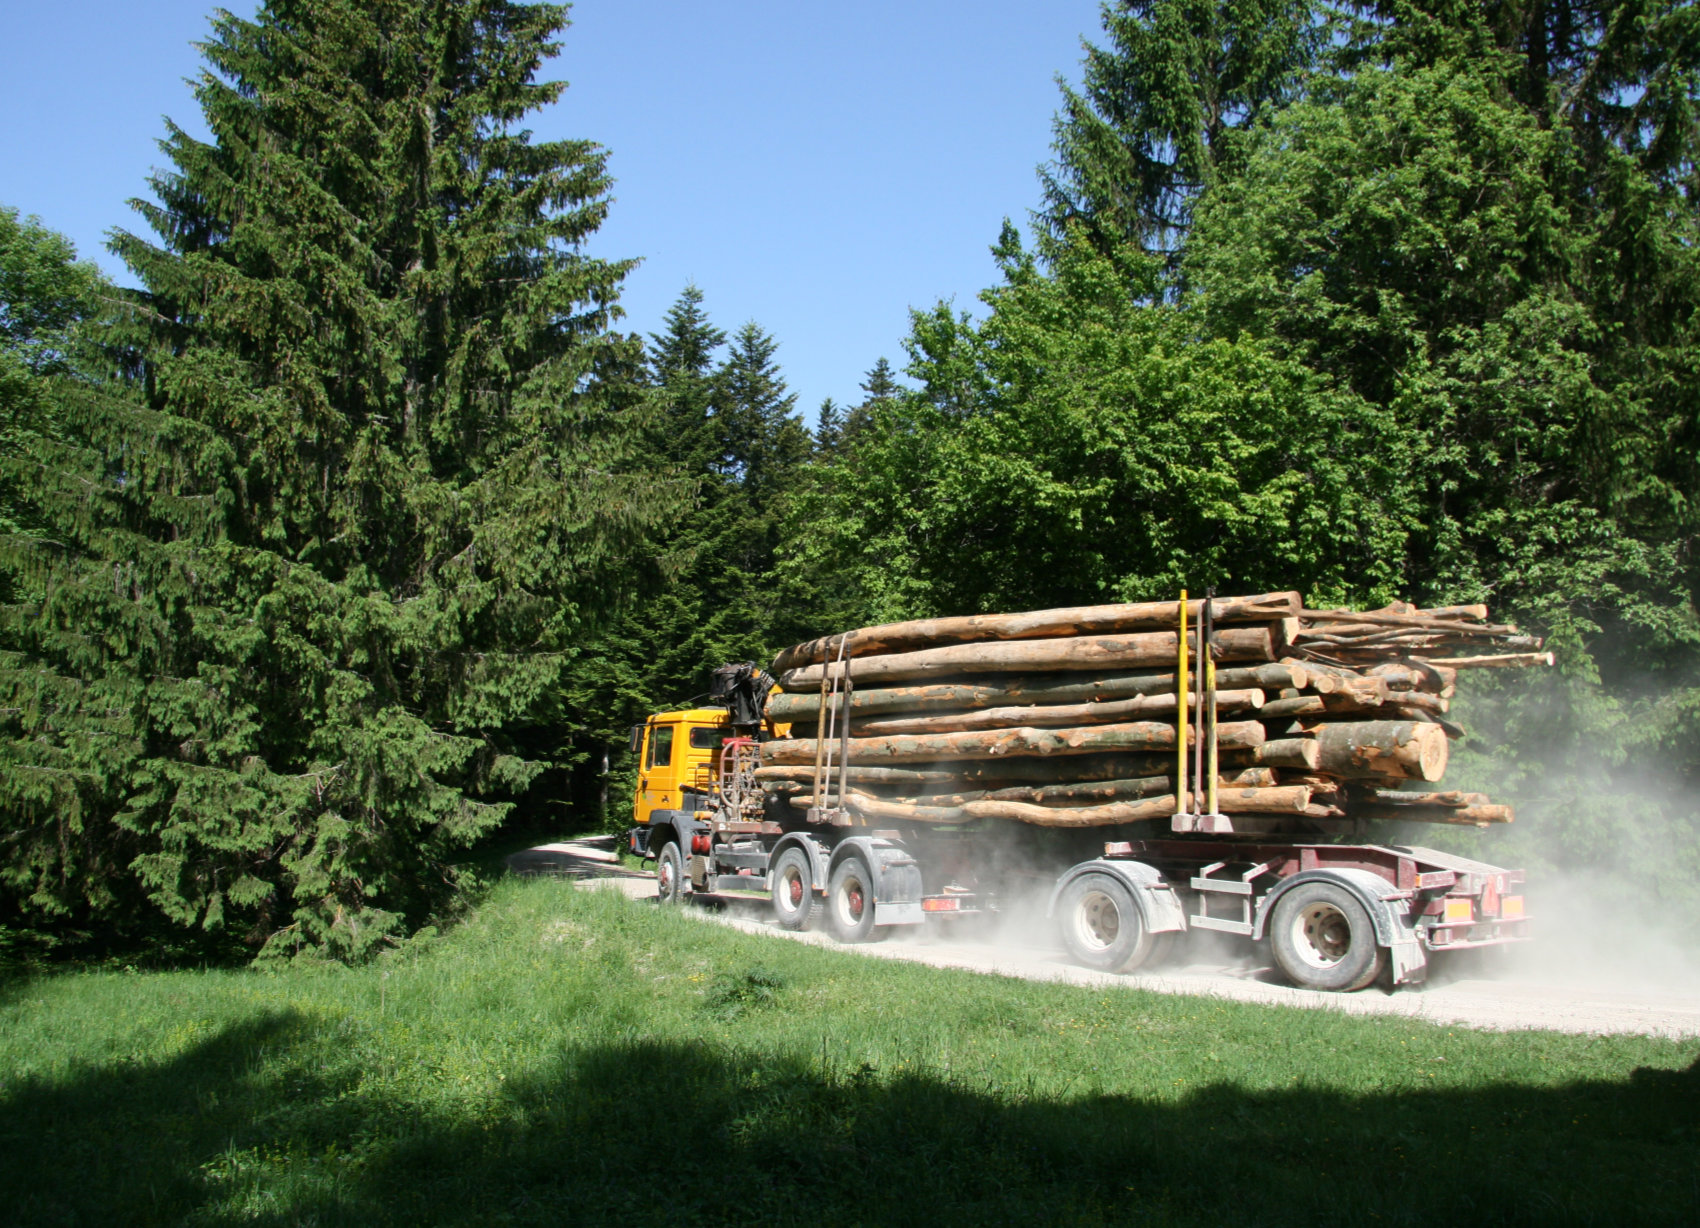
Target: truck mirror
637,738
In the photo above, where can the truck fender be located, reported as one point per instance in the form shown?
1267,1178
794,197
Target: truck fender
1159,908
1388,908
897,877
820,861
675,825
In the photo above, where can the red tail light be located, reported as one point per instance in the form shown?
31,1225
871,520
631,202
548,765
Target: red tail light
700,842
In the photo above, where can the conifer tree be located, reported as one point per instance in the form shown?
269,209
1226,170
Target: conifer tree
761,438
829,428
880,389
1163,108
311,593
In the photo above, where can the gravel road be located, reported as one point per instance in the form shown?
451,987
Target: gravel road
1542,985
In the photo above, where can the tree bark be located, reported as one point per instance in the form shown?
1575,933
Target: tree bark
1301,753
1036,624
1047,715
1255,643
1504,660
1373,749
1040,689
1466,816
999,743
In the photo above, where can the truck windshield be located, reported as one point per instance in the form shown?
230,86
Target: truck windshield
660,746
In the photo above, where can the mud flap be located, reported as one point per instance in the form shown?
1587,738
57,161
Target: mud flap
1408,962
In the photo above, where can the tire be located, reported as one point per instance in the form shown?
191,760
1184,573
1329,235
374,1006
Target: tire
850,901
1321,937
793,889
1101,924
669,874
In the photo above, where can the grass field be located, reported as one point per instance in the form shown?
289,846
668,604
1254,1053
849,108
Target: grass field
573,1057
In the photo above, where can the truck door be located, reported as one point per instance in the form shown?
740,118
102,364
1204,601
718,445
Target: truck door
658,773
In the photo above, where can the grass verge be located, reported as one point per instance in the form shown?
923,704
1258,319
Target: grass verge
575,1057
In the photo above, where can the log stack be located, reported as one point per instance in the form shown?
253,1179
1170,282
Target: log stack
1071,718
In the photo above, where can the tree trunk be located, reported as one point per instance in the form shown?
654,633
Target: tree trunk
1290,753
1037,624
1040,689
1373,749
999,743
1257,643
1049,715
1468,816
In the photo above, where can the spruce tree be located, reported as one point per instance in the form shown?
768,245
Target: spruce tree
829,428
313,590
1163,109
880,389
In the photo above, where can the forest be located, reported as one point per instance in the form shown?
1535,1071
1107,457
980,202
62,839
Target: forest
361,530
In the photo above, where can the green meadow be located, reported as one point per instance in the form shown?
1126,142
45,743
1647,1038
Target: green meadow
574,1057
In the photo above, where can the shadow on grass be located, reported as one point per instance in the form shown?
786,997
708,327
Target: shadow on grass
239,1130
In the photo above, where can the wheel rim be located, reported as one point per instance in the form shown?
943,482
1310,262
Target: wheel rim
1097,922
852,902
664,878
794,889
1322,935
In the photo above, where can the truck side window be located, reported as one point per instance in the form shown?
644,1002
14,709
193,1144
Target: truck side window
707,737
660,746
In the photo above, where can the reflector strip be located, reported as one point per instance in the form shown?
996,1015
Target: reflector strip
1459,908
948,904
1511,906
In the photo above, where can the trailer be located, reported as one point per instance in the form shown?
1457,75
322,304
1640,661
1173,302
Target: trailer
1332,916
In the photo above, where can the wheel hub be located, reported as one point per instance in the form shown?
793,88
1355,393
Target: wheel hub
1099,920
1322,935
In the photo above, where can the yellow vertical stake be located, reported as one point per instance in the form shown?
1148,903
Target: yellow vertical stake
1210,770
1182,688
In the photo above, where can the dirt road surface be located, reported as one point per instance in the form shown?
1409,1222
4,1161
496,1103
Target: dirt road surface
1542,985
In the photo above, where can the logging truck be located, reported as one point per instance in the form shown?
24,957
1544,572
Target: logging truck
1331,915
1338,916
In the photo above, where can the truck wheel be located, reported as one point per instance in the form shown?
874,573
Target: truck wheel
1322,938
850,901
669,874
1101,925
793,889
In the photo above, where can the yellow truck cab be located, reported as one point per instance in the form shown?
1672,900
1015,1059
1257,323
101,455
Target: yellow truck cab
678,760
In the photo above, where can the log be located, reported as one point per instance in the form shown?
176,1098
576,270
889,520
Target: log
1046,715
1085,794
1001,743
1438,797
1323,620
991,773
866,775
1065,769
1504,660
1040,689
1229,801
1415,701
1303,753
871,807
1467,816
1371,749
1036,624
1254,643
1318,784
1410,676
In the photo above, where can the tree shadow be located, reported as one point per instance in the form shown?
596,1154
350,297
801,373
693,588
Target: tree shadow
239,1131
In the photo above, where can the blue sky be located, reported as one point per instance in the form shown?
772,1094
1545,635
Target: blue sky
819,169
